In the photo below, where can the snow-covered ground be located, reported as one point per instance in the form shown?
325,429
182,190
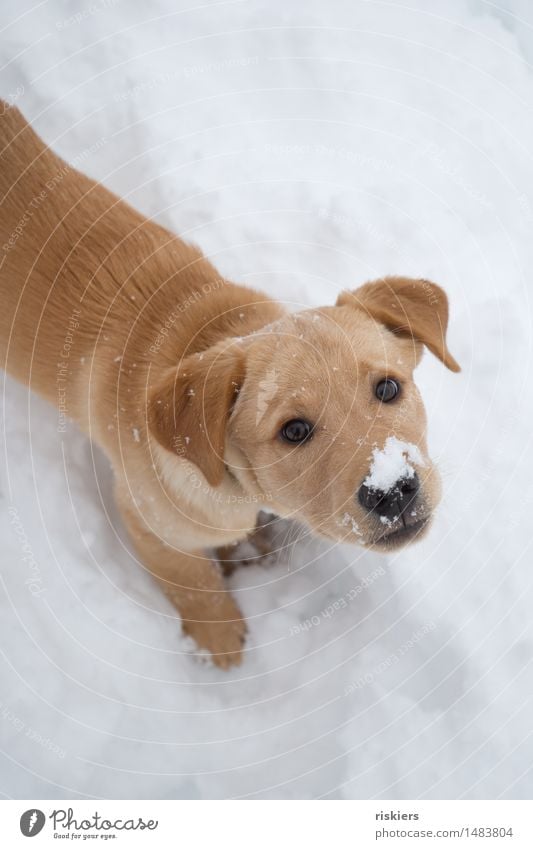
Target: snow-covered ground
306,147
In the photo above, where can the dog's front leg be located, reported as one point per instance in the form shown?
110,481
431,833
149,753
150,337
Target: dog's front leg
195,586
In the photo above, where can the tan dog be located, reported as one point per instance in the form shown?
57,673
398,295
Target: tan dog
209,399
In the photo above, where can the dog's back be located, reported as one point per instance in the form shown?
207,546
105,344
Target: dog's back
72,256
86,283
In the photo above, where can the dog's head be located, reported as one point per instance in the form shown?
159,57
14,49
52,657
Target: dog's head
318,414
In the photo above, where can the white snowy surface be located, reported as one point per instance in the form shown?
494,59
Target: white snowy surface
307,147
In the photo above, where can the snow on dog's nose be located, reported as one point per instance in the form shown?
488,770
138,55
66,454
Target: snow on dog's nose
392,487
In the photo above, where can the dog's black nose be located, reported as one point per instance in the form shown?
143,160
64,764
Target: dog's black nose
394,503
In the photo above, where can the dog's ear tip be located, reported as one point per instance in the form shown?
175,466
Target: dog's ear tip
451,363
214,476
443,354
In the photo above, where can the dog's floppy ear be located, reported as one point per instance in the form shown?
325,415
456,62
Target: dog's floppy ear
408,307
189,410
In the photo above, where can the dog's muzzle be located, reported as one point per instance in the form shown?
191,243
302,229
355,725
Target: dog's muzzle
400,512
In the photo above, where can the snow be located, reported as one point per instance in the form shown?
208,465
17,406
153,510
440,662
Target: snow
392,463
306,148
349,521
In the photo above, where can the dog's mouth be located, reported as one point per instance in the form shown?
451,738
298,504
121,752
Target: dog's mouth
401,536
401,532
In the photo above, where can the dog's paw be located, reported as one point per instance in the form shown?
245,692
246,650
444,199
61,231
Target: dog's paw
223,639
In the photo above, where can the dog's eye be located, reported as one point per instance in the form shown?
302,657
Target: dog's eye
297,430
387,390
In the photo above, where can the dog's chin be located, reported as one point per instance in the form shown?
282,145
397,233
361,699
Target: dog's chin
401,536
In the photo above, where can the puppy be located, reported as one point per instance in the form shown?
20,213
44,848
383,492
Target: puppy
210,400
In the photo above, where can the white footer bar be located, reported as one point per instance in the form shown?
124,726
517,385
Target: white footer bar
267,824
